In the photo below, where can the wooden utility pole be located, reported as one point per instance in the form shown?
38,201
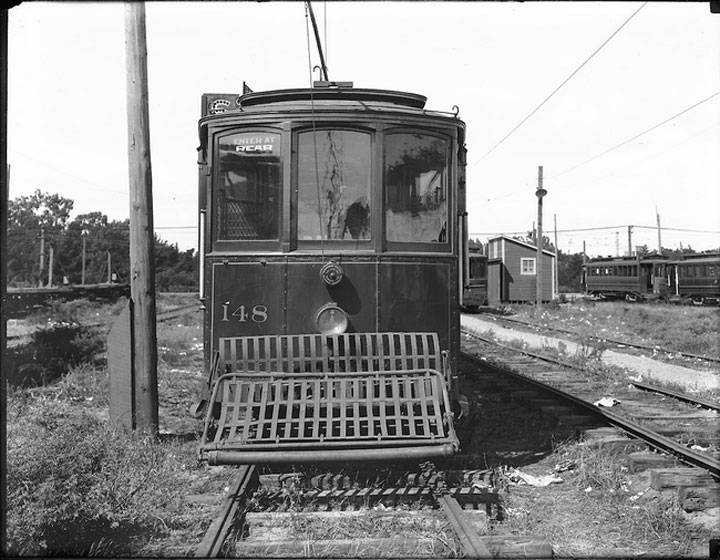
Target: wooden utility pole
657,215
109,267
556,286
84,237
4,189
142,251
42,256
51,258
540,192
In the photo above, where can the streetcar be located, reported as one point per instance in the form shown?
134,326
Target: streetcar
631,278
476,289
691,278
332,248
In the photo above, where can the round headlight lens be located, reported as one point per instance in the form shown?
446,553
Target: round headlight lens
331,319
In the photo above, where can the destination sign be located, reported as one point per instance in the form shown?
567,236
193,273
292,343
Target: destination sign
255,144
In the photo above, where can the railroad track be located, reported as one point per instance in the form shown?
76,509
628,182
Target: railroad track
677,426
256,527
168,315
607,340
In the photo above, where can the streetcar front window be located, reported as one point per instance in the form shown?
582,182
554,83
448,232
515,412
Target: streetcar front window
333,185
416,202
247,198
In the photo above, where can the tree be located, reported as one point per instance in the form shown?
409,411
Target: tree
570,268
546,243
31,218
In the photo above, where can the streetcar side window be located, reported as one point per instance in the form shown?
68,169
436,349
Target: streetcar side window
478,267
416,182
334,185
249,182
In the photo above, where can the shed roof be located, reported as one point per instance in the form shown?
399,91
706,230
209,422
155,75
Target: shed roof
526,244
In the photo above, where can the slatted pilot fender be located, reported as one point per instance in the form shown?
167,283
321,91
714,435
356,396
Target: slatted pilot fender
311,398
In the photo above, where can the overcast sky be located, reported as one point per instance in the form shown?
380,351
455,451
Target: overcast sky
496,61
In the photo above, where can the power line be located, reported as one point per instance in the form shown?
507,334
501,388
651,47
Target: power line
599,228
615,147
561,85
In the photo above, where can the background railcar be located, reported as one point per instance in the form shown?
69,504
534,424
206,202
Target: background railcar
330,212
475,292
631,278
695,277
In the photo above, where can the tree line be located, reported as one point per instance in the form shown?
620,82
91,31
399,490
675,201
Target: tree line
39,226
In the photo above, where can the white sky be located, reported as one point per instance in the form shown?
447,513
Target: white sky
67,129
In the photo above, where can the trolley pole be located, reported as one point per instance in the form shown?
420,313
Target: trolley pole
540,193
142,250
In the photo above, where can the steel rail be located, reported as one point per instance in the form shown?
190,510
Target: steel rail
712,405
613,341
652,438
471,542
244,482
646,386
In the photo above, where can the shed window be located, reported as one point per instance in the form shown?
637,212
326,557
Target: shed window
527,266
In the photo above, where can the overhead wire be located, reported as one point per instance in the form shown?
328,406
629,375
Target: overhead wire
517,193
565,81
635,137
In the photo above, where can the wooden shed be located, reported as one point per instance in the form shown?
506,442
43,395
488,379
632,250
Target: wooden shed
512,271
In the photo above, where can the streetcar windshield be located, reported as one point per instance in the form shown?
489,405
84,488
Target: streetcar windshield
249,184
416,188
333,185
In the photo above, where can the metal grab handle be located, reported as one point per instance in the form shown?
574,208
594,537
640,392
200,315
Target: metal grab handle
201,253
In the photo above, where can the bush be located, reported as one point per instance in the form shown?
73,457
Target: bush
55,348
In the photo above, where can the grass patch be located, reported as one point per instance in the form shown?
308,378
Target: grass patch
596,511
78,486
686,329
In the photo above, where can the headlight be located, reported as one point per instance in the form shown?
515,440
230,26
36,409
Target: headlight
330,319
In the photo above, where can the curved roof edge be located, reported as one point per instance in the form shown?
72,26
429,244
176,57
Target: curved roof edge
333,94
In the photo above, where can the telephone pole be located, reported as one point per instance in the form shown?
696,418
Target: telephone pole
51,258
540,192
657,215
42,256
83,234
142,251
617,243
556,287
4,188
